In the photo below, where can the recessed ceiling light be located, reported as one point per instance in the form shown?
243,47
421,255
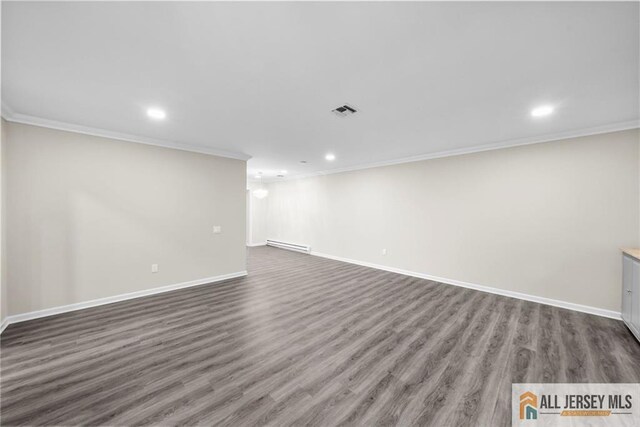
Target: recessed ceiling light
330,157
156,113
543,110
283,172
258,176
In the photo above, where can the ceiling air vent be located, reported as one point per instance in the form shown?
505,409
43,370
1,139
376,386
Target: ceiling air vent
344,110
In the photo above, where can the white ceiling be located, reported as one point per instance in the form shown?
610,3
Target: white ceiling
261,78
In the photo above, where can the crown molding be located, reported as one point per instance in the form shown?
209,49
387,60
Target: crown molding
614,127
11,116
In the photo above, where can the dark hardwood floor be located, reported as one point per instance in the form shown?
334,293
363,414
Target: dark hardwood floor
303,341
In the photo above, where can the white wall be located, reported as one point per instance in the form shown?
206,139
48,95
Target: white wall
257,215
4,307
545,220
87,216
3,284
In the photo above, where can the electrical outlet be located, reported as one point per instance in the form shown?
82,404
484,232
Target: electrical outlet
217,229
154,268
384,252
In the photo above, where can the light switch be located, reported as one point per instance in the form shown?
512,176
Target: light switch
217,229
154,268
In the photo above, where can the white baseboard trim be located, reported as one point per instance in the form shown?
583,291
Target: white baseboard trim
533,298
4,324
116,298
253,245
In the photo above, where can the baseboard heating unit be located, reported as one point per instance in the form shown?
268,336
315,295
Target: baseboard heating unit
289,246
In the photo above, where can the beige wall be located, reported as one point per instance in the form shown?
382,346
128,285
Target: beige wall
545,219
4,307
3,283
87,216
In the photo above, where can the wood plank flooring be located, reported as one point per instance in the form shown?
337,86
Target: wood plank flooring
302,341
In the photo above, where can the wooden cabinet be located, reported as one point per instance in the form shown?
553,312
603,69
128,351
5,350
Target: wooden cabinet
631,291
627,281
